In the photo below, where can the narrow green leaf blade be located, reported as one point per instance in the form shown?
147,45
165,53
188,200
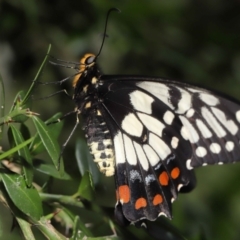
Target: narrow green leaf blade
29,92
48,230
50,143
24,198
37,146
24,154
49,170
26,228
85,161
18,112
86,187
15,149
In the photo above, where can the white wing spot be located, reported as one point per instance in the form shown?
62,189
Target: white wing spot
158,166
213,123
184,133
179,187
190,113
209,99
220,163
130,151
188,164
162,214
238,115
141,101
152,156
228,124
141,156
159,146
135,175
215,148
152,124
194,90
149,178
119,148
192,133
203,129
159,90
204,164
174,142
229,146
168,117
201,152
185,102
132,125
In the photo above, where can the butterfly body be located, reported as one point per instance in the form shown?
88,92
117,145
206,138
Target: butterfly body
150,133
88,101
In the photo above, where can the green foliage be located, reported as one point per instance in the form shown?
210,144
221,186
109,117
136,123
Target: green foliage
197,41
17,190
20,190
27,175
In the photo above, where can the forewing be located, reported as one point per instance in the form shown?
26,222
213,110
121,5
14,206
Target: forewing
210,121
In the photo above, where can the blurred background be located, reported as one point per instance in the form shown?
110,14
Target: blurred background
197,41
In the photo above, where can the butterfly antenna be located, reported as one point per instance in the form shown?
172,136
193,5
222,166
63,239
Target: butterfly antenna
105,28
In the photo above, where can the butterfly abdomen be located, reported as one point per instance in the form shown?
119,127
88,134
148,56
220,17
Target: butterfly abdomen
100,142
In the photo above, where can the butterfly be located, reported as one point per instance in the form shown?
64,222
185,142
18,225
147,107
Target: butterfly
150,133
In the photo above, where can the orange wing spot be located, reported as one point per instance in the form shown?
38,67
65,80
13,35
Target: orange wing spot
82,67
124,193
163,178
140,203
175,173
158,199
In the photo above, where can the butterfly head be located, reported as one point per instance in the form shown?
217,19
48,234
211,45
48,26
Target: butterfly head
87,63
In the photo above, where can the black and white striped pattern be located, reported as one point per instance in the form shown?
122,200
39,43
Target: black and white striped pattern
150,133
209,122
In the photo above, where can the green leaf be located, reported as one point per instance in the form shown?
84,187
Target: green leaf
53,119
37,146
50,170
50,143
15,149
86,187
15,112
24,154
24,198
48,230
17,115
2,103
26,228
85,160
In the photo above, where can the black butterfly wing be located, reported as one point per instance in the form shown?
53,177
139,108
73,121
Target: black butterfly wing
161,130
211,124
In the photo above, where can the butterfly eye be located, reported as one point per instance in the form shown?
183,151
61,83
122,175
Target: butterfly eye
90,60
